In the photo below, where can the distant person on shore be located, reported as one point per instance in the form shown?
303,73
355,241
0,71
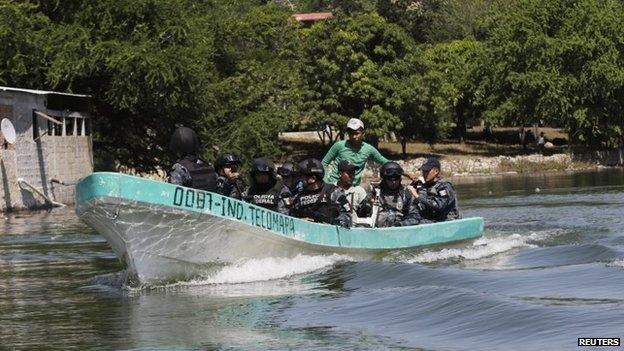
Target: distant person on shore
189,170
398,207
265,190
227,172
541,141
317,201
291,177
354,150
436,198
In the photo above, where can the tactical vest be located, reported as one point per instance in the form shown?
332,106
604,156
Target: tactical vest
269,200
203,175
318,203
395,202
452,212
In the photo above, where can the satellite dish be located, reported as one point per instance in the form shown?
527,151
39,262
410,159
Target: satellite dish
8,131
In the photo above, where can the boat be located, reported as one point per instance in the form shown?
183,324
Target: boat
166,232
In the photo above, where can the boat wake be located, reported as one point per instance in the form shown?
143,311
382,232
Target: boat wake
254,270
481,248
268,276
616,263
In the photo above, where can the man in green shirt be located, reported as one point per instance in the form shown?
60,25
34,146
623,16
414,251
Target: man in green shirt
354,150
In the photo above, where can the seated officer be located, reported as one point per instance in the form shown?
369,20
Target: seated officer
291,177
397,205
356,195
265,190
189,170
227,176
318,201
437,199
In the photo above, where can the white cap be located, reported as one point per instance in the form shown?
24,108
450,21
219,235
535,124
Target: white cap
355,124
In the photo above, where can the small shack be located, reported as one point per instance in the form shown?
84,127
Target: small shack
52,149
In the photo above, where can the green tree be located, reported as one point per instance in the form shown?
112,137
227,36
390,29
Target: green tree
559,61
344,65
461,64
420,99
23,31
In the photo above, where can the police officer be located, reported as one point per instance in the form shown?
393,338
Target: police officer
318,201
291,177
437,199
265,190
189,170
397,205
227,176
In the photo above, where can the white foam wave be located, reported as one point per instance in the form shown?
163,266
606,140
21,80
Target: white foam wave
480,248
254,270
267,277
616,263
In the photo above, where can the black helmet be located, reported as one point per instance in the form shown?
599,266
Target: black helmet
184,142
262,165
289,169
312,166
390,169
226,160
430,163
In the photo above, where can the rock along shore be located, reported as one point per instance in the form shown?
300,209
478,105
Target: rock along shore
491,166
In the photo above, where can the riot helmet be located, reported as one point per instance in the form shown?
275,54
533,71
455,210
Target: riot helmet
227,160
289,169
391,170
390,174
312,166
183,142
262,172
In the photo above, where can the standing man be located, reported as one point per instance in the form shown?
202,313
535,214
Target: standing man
437,199
354,150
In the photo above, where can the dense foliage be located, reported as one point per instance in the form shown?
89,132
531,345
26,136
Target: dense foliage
240,72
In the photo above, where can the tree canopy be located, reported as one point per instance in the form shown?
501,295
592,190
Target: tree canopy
240,72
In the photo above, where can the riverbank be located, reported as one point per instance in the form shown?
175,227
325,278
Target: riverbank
463,167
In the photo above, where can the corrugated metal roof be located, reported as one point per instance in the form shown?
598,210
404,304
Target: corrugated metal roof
40,92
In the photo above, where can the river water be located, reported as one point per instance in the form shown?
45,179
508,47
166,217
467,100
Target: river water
549,269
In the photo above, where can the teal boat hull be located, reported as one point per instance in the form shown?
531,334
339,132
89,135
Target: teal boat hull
166,232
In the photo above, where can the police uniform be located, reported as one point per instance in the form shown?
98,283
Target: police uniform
397,208
194,173
290,169
277,198
189,170
323,205
228,188
437,201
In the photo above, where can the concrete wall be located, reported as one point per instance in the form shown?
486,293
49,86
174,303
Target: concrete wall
67,158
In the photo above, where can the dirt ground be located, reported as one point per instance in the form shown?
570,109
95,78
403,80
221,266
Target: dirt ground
505,142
